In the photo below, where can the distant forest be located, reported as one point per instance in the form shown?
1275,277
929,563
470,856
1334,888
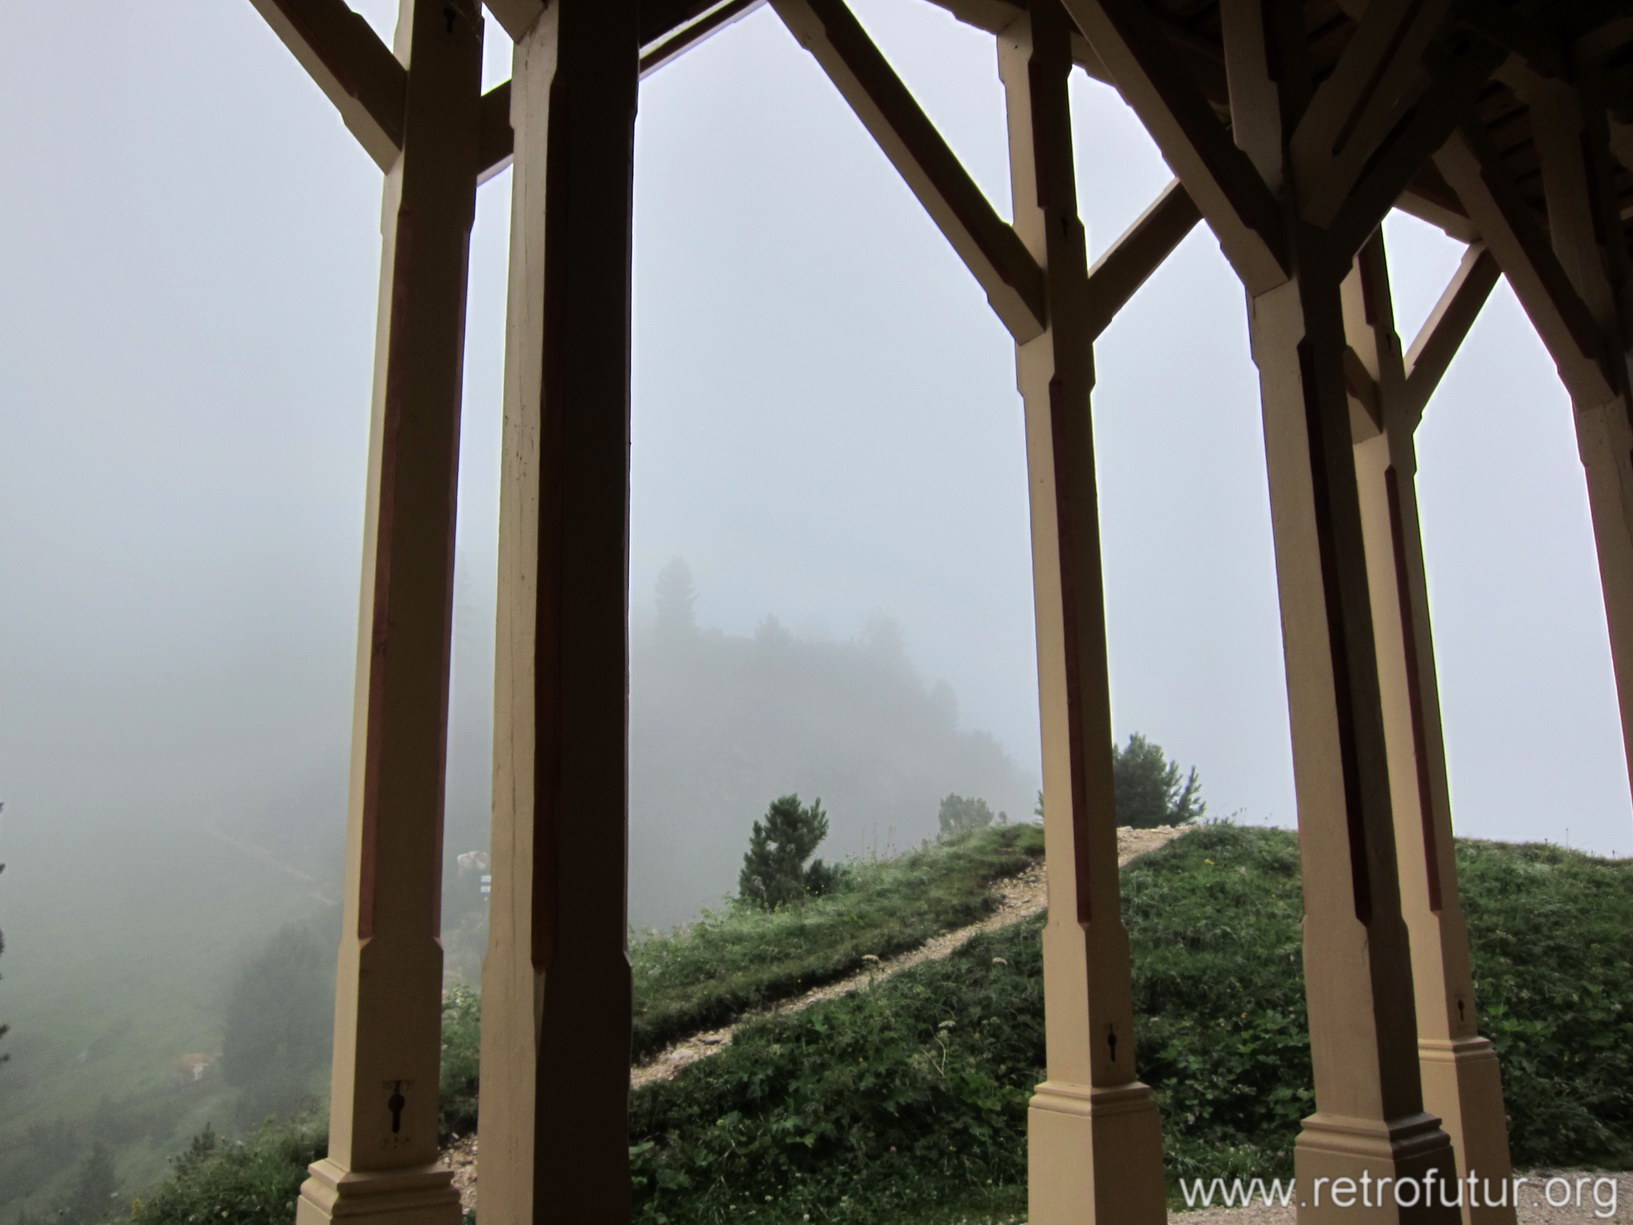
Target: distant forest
720,725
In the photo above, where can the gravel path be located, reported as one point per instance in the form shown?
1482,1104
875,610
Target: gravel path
1604,1197
1019,897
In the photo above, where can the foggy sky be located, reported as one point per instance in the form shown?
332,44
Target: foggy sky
826,429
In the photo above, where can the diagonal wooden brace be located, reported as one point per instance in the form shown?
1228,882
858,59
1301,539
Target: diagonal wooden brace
358,72
985,242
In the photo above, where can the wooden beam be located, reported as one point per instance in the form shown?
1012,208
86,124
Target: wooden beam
986,243
358,72
1138,252
1362,384
1448,324
1462,1084
1267,67
1358,195
669,29
555,983
1093,1135
1516,237
1591,246
382,1163
517,16
496,141
1219,177
1426,196
1381,66
1574,148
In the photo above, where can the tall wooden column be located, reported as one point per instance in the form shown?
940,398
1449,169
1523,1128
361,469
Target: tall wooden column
382,1161
1571,276
1369,1119
1588,239
1293,188
1094,1137
1462,1084
556,985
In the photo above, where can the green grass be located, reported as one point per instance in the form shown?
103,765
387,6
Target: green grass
906,1101
237,1181
711,972
714,970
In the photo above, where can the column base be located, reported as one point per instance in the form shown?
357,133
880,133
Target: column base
1094,1156
1366,1172
1462,1083
417,1195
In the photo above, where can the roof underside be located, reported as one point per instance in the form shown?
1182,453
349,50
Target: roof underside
1588,42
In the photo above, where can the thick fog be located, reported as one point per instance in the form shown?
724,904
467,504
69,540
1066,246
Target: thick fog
826,431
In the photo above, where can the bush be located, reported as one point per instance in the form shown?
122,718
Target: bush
959,815
461,1061
1150,791
774,871
253,1182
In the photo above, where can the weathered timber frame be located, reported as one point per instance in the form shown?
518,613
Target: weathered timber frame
1292,129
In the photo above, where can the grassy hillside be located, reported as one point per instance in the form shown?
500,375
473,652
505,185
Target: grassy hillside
906,1101
729,963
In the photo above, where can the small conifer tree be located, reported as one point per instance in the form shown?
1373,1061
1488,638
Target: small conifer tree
959,813
775,872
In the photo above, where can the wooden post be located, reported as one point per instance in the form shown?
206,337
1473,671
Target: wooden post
1571,278
1462,1084
382,1162
1585,226
1304,174
556,1008
1369,1121
1094,1137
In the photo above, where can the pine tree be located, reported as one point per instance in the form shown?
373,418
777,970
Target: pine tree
959,813
774,871
1149,787
673,600
1149,790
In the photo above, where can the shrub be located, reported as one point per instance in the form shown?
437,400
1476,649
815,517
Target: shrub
1150,791
959,814
775,872
253,1182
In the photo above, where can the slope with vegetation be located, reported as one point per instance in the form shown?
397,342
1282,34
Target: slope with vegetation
906,1100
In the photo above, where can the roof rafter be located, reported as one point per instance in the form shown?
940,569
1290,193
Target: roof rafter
984,240
349,62
1194,141
670,27
1371,186
1350,112
1520,243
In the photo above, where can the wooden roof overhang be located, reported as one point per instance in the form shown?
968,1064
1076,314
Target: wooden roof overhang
1586,42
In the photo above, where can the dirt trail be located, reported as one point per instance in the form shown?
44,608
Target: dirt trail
1019,897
